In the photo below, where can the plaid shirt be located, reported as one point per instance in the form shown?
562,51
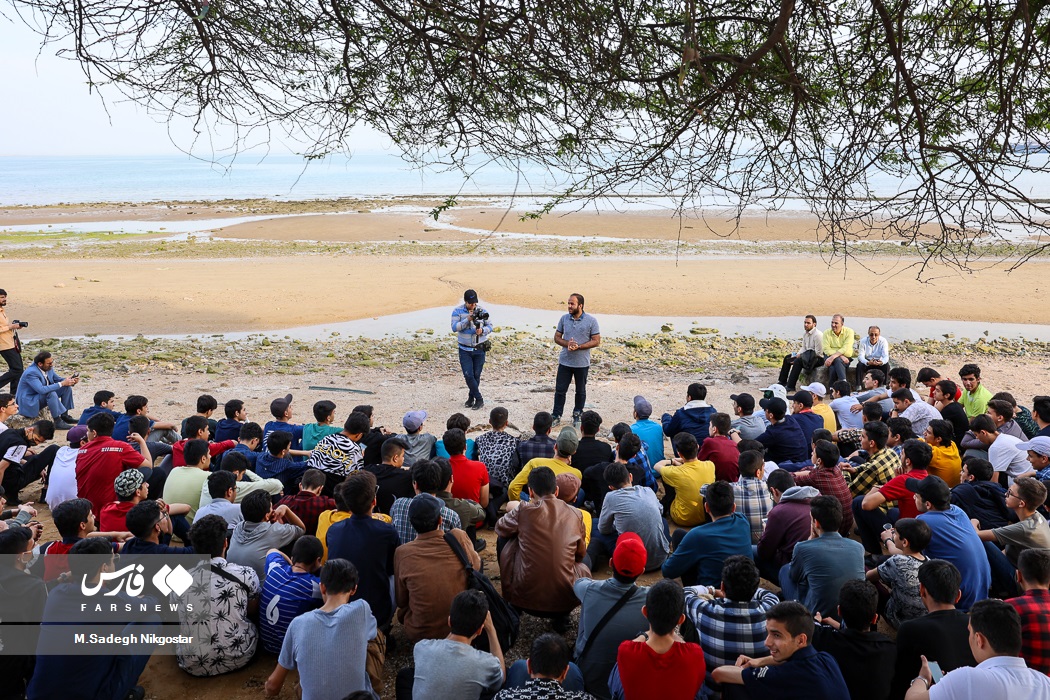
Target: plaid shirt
1034,609
880,468
849,435
727,628
830,482
406,533
308,506
754,503
641,460
535,447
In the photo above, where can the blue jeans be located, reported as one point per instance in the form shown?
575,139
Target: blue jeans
561,387
837,370
518,673
471,363
789,590
1004,574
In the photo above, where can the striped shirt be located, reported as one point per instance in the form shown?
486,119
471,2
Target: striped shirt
337,454
286,595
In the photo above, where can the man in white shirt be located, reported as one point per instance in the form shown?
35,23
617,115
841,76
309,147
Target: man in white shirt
995,640
918,411
873,352
1008,461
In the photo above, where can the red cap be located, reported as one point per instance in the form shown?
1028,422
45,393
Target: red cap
630,556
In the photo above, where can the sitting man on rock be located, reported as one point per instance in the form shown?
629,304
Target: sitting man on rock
40,387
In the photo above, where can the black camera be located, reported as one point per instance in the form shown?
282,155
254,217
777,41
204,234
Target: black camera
478,315
25,324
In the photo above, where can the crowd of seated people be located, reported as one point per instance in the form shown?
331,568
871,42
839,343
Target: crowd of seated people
858,548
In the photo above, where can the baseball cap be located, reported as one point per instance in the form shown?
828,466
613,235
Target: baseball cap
424,505
279,406
803,397
568,486
76,434
1040,444
413,420
932,488
746,402
643,408
774,391
775,405
128,482
470,296
630,556
816,388
568,440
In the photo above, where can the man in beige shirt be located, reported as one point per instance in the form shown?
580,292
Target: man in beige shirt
12,356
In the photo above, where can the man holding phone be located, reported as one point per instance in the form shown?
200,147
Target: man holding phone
41,386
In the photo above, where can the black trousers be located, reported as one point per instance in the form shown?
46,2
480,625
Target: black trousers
18,476
561,387
793,365
13,358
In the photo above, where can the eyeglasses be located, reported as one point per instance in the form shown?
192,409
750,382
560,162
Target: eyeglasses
1011,494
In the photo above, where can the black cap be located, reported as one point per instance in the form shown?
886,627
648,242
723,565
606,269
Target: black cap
424,505
932,489
803,397
746,402
772,405
470,296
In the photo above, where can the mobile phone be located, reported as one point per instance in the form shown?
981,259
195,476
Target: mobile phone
76,375
935,670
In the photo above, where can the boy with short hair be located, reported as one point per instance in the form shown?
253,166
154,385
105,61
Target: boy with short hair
249,441
291,588
105,402
276,462
329,646
197,428
904,542
264,528
184,483
206,405
324,414
222,487
308,503
281,410
659,663
229,428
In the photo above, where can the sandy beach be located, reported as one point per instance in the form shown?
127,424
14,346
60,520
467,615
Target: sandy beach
253,276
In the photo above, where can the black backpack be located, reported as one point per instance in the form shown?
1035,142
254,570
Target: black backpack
504,618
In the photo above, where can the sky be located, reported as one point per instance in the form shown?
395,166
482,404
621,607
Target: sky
48,109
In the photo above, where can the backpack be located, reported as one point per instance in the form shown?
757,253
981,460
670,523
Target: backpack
504,617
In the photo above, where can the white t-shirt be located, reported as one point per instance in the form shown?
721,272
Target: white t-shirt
62,484
847,419
997,677
1005,457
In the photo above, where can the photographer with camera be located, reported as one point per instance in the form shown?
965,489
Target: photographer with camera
41,387
472,326
10,346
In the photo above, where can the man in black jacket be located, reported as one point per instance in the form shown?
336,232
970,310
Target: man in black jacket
982,497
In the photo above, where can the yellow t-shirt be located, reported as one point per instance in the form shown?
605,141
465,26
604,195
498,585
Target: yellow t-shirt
522,479
946,464
687,509
824,411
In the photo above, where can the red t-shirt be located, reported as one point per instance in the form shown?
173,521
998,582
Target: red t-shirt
725,455
676,675
895,490
113,517
98,464
468,477
178,458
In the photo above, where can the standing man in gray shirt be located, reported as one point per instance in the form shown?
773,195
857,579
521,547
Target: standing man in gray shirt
577,333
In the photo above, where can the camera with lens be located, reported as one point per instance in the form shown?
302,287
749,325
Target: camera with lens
478,316
21,324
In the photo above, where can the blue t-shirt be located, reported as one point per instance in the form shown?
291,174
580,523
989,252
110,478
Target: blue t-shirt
471,453
579,329
94,411
228,429
286,595
652,434
705,548
955,540
295,430
246,451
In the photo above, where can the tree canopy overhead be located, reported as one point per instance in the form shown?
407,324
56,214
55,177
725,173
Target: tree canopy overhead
945,103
